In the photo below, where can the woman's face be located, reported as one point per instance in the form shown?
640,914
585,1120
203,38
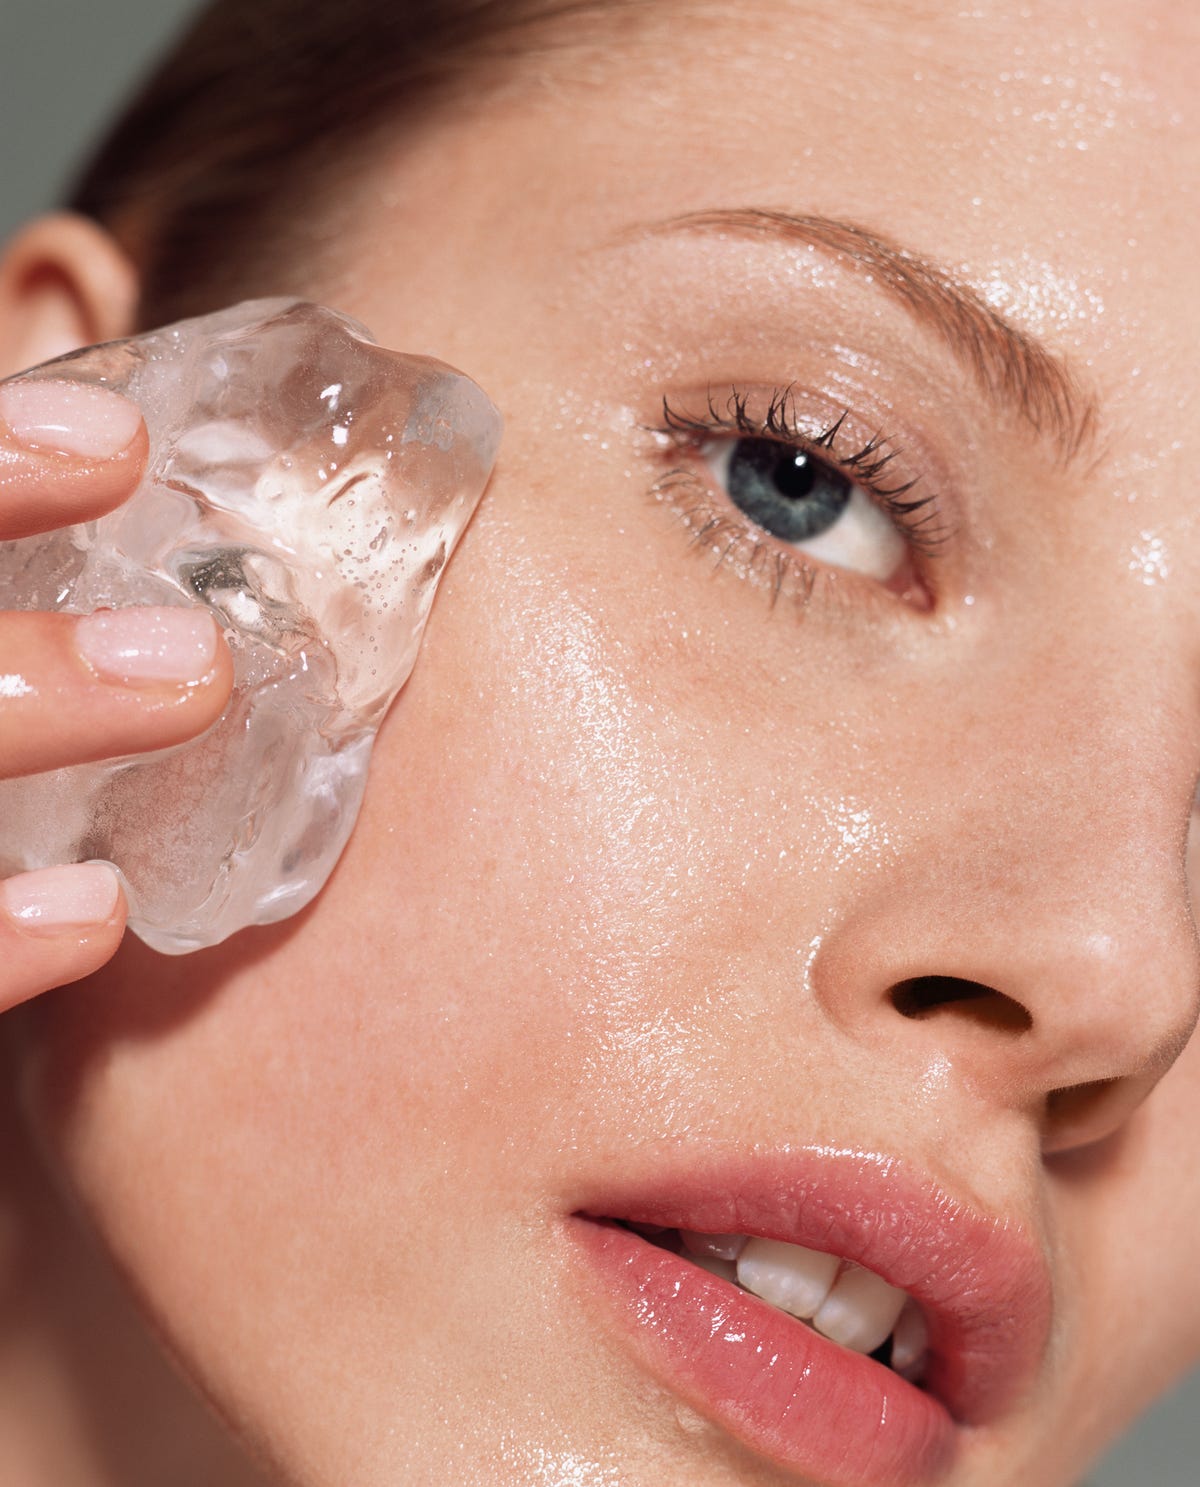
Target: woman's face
715,749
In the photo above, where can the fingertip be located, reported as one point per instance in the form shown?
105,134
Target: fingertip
79,420
145,646
49,900
223,675
111,683
57,925
41,493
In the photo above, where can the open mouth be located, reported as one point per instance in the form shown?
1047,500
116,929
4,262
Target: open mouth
843,1317
844,1302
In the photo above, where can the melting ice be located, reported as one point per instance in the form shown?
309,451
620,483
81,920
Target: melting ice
308,486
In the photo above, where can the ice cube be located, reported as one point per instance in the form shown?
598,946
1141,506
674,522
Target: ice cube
308,486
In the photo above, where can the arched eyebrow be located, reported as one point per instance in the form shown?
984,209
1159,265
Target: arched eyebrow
1016,370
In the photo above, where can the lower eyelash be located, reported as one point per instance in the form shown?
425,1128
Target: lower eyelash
751,551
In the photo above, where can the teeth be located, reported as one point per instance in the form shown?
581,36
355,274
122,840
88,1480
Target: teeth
795,1280
715,1246
860,1311
910,1341
841,1300
854,1307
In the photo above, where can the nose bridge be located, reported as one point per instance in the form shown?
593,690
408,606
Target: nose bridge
1048,866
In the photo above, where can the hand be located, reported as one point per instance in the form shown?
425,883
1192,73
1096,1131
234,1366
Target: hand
79,688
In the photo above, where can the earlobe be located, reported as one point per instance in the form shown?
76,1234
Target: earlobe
64,283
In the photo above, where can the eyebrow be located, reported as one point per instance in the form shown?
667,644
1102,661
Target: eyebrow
1016,370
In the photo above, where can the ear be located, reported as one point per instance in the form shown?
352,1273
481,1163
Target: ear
64,283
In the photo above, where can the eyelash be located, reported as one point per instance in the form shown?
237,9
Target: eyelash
918,519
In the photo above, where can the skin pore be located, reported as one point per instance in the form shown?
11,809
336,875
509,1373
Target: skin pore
658,826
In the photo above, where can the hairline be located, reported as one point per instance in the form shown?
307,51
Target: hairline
159,200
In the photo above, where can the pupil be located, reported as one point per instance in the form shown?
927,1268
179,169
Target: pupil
786,490
795,475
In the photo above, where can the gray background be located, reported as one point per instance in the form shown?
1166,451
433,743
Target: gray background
63,66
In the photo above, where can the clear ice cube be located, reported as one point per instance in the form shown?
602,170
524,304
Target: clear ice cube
308,486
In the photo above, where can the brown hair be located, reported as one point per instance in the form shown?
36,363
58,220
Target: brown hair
207,175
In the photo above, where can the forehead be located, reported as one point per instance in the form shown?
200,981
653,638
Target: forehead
1048,156
972,125
1095,64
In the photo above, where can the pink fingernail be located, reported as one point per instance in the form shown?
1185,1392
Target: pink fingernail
69,417
137,646
57,898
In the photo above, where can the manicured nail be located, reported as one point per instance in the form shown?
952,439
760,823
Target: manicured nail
140,646
57,898
69,417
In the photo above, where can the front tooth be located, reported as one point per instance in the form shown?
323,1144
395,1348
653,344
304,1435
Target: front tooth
910,1339
795,1280
860,1311
716,1246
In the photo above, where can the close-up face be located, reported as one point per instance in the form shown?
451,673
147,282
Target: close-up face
784,831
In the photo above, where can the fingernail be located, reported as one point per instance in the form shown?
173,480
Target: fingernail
57,898
69,417
137,646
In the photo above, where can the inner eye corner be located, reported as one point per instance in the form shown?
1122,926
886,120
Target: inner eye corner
919,998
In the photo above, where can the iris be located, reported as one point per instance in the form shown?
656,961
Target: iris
786,490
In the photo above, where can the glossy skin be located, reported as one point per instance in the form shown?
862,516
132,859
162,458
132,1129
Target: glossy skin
644,854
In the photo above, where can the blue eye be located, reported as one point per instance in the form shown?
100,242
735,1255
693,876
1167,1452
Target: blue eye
785,489
808,502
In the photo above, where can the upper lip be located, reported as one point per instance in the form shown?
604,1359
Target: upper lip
981,1280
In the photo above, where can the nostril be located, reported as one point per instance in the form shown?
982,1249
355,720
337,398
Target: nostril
927,996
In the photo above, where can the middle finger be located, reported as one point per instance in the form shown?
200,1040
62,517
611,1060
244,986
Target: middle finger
76,688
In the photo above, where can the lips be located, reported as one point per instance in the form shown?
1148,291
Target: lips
802,1401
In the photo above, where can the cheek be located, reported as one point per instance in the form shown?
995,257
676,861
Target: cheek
287,1117
580,818
572,841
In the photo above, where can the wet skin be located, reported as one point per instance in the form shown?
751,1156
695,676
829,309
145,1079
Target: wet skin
658,825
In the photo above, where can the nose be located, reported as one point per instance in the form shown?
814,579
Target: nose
1034,930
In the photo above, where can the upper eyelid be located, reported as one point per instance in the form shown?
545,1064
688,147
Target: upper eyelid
1015,368
780,423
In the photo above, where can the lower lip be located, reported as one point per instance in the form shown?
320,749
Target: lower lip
790,1394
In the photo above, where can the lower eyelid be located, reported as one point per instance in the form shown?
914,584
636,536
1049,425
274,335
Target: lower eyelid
730,541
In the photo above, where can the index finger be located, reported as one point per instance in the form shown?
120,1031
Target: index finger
69,452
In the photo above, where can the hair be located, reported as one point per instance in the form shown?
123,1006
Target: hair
207,178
